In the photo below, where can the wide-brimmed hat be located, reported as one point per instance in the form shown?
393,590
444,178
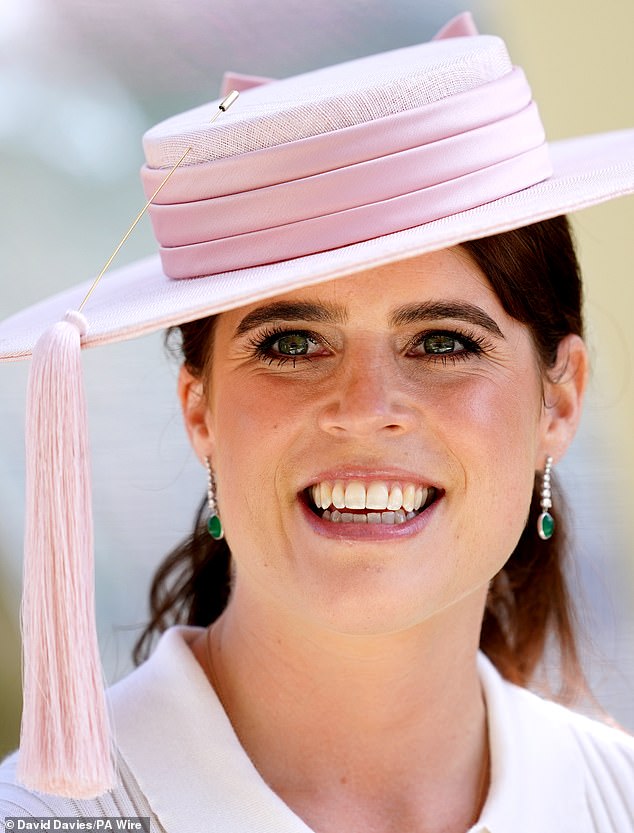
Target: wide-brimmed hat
303,180
336,171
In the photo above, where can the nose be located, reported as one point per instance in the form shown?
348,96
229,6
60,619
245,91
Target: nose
367,397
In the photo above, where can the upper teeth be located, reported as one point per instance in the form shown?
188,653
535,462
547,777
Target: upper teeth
376,495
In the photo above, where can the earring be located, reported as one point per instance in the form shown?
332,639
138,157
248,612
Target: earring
546,522
214,525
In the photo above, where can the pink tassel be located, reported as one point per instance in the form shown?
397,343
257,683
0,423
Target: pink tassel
65,746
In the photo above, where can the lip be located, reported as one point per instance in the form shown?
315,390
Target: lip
369,532
369,475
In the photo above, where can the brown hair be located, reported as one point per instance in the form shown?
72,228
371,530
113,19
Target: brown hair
535,274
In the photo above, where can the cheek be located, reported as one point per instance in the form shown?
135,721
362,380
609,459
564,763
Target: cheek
243,416
491,429
257,406
489,410
252,426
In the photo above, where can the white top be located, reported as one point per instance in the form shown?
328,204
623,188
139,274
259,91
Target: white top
182,764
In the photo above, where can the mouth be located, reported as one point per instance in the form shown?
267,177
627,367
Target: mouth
376,502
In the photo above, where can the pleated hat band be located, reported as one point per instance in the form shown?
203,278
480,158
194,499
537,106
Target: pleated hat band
336,171
360,182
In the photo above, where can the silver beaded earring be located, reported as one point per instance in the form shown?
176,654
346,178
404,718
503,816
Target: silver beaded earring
546,522
214,525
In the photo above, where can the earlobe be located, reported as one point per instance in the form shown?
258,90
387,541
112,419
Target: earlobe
564,389
195,410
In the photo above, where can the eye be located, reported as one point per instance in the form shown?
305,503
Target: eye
293,344
447,345
281,346
440,344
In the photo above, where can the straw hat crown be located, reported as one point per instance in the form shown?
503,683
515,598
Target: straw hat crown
330,99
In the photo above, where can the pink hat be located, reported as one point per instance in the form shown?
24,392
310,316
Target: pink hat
304,180
336,171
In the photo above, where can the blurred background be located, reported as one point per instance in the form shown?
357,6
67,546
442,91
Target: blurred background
79,83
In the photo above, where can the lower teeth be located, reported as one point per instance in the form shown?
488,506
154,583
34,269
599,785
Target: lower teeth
398,517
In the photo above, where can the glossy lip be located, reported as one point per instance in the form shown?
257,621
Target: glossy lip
369,532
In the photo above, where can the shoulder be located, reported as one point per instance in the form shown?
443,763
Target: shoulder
160,682
567,758
598,742
605,759
605,751
16,800
601,745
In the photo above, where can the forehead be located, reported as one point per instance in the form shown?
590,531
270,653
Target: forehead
449,275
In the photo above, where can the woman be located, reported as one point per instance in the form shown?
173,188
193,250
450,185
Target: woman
374,447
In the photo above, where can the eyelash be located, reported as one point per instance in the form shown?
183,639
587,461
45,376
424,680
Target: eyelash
473,344
260,345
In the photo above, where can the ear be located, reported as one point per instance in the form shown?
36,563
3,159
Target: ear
564,389
195,410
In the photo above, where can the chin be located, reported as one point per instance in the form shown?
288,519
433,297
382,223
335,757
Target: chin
370,600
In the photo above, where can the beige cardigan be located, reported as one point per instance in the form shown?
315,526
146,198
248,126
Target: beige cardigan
553,771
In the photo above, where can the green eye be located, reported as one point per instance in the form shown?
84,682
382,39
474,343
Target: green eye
284,345
294,344
440,343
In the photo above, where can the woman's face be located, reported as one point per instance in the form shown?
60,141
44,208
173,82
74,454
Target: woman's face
407,398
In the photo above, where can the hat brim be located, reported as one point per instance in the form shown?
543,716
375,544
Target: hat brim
139,298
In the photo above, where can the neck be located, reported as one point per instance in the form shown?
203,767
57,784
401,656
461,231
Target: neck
395,719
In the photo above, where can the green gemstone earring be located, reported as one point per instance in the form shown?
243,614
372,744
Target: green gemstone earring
214,525
546,522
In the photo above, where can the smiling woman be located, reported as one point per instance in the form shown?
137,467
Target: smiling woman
527,598
382,361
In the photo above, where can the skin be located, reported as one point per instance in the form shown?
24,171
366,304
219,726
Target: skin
348,666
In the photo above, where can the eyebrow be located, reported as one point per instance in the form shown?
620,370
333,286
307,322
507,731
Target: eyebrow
335,314
292,311
434,310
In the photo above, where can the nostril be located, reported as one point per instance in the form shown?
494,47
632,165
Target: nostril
367,403
364,423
